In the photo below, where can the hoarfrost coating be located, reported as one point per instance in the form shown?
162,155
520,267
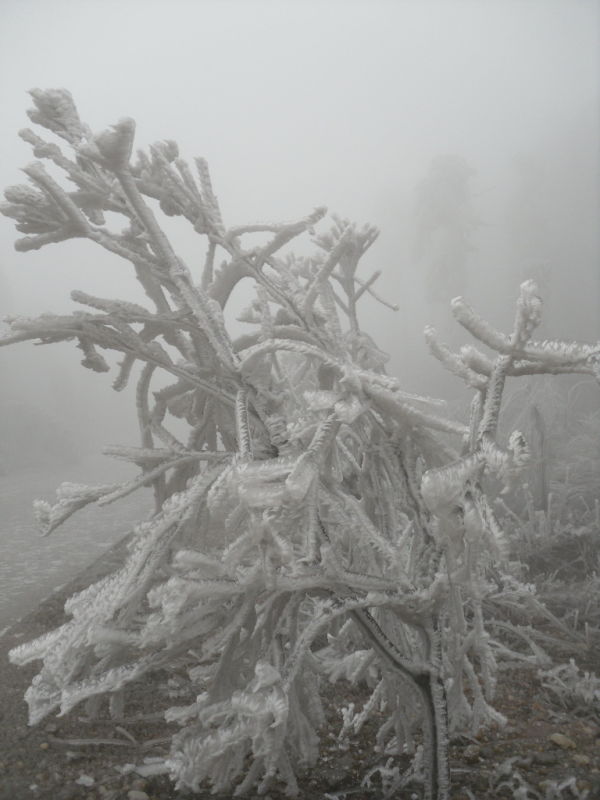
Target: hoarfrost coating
310,494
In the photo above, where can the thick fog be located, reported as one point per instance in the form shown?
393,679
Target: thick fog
327,533
467,132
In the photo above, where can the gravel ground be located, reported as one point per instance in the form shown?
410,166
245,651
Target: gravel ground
62,758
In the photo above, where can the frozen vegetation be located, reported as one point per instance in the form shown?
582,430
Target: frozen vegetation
314,520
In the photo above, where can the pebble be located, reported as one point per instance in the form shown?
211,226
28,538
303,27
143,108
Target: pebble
85,780
107,794
44,746
581,759
562,741
136,794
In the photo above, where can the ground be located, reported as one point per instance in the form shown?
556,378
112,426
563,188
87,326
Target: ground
71,758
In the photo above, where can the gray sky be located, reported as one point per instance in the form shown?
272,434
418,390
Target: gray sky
297,103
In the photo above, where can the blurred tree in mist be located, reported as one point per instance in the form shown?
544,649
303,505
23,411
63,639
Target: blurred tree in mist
550,224
528,227
444,224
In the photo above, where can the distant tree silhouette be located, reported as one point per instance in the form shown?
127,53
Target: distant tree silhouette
444,224
528,225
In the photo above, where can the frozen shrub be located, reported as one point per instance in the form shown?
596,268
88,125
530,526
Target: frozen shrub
316,522
575,689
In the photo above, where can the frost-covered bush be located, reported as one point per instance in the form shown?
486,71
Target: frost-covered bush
553,515
507,778
316,522
576,689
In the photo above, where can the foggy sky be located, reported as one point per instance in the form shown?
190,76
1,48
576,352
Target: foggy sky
297,104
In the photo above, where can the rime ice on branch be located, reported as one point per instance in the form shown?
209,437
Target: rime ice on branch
317,522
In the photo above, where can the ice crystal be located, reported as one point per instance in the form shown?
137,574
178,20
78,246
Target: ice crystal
315,522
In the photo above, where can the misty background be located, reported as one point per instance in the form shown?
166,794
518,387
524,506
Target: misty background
466,131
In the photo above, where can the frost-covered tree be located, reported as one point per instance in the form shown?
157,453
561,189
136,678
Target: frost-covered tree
316,522
528,223
445,222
